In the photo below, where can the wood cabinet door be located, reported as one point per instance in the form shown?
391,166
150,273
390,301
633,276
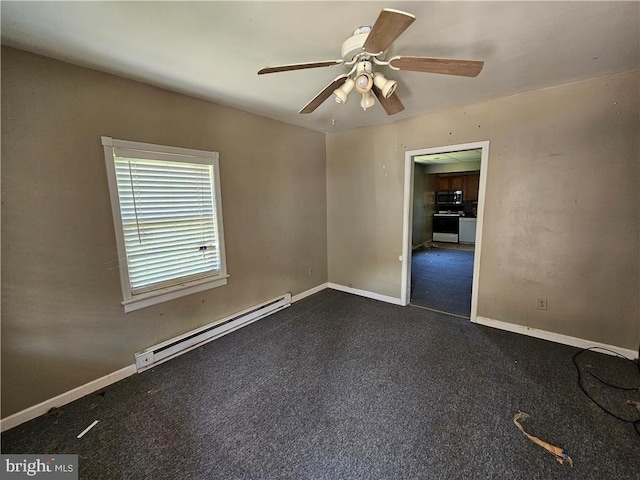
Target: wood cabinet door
472,183
457,183
444,184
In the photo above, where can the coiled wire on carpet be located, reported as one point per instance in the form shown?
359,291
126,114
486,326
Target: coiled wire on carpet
636,422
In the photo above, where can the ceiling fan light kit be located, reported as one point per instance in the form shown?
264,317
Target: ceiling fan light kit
387,87
367,46
364,78
367,101
343,92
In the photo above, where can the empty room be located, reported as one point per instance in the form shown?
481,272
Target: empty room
320,240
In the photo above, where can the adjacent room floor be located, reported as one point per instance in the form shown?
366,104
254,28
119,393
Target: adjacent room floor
442,277
342,387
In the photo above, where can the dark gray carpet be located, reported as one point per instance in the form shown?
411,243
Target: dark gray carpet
343,387
441,279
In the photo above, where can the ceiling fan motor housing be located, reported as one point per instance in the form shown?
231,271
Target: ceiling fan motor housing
352,46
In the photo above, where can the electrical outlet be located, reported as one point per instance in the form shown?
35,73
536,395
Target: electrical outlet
542,303
310,271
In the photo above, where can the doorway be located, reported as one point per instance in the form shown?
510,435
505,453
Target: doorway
447,254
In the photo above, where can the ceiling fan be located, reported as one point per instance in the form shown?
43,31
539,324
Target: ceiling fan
365,48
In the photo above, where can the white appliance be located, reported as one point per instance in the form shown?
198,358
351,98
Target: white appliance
467,230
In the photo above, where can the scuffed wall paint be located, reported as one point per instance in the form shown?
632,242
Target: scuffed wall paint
561,208
62,322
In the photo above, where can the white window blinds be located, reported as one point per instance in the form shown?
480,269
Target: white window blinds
167,215
168,220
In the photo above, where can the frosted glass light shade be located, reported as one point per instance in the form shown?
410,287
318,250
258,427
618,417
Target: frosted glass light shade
364,82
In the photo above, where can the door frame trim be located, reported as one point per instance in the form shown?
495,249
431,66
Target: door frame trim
409,167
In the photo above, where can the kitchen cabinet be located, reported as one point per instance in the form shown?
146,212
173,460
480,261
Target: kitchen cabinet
468,182
471,185
457,183
451,182
444,184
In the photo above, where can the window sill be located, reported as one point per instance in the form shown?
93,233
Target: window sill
163,295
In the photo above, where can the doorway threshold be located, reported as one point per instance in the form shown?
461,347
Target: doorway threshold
467,247
439,311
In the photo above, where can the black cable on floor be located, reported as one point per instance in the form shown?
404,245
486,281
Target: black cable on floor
629,389
636,423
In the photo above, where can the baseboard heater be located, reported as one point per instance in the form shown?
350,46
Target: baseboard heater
169,349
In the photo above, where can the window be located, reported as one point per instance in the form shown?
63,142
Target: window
168,220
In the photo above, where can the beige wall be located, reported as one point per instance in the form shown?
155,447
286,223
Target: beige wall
418,204
424,205
561,213
62,323
431,207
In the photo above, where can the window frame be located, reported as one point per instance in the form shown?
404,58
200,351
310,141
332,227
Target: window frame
180,288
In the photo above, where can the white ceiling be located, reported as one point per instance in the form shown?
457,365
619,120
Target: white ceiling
213,50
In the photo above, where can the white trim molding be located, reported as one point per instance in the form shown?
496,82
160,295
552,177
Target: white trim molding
552,337
365,293
206,274
309,292
405,289
64,398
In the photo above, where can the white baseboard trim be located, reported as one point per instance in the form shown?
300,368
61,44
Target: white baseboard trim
64,398
365,293
553,337
99,383
309,292
95,385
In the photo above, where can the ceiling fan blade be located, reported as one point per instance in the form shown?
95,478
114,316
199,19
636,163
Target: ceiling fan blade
391,105
324,94
447,66
299,66
389,25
